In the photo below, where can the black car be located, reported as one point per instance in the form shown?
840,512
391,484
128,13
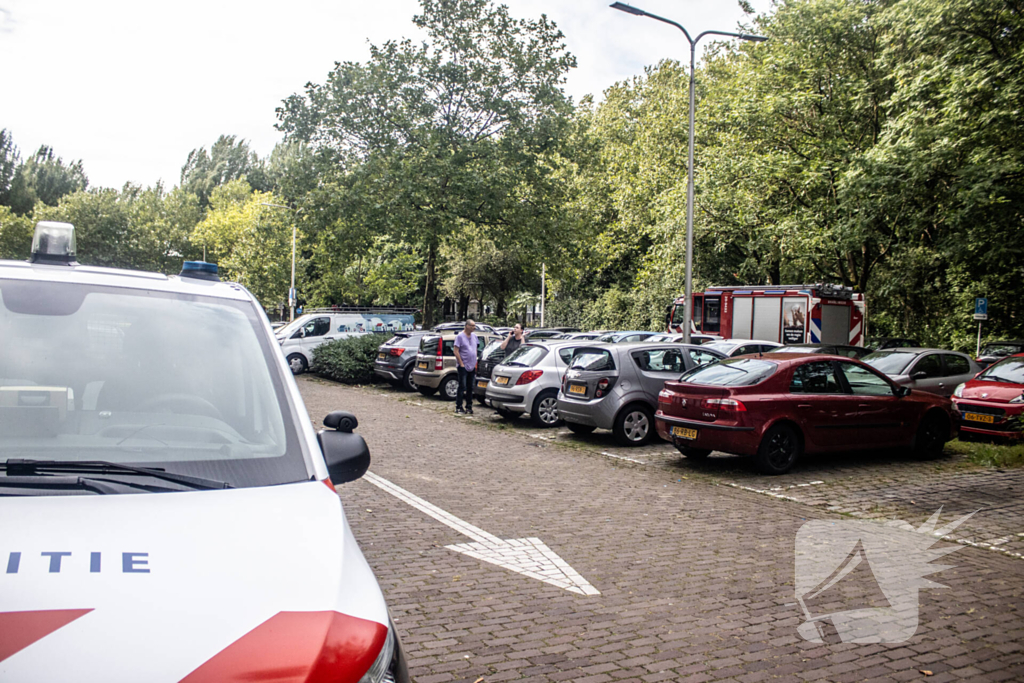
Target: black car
998,350
491,356
396,359
857,352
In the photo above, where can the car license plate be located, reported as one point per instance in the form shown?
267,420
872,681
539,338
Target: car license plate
501,380
684,433
577,388
482,384
380,356
975,417
422,366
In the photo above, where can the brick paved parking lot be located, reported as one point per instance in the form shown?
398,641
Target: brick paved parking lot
694,577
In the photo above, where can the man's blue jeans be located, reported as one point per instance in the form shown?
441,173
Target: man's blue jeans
467,378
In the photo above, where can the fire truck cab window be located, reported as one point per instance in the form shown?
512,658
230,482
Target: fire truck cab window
712,308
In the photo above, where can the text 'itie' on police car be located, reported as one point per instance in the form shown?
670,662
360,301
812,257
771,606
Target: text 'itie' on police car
163,508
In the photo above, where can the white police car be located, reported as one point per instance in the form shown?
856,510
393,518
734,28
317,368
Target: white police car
163,508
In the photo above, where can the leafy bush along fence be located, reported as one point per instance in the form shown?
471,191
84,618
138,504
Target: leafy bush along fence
348,360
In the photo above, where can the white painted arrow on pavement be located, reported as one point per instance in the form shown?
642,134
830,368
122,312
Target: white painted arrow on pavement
526,556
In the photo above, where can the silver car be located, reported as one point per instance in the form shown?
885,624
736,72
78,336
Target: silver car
933,370
615,386
528,381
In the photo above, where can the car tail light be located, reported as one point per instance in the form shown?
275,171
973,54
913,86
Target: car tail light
439,360
665,396
725,404
602,387
529,376
396,352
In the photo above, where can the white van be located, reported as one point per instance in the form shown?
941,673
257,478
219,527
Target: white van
305,333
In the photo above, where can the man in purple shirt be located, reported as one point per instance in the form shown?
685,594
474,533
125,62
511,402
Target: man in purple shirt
465,355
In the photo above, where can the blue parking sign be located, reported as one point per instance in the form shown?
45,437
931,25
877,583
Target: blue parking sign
981,309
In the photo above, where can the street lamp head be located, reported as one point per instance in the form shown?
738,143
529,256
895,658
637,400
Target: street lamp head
622,7
755,39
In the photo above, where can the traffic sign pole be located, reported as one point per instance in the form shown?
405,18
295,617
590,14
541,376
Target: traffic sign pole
980,313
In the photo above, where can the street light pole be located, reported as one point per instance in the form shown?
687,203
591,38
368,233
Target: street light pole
291,290
688,305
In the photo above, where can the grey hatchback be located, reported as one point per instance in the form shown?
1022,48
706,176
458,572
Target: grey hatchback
615,386
396,359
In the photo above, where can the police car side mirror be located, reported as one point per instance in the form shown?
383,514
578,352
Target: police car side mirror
346,454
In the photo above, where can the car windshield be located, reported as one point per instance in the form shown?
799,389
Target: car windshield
592,359
527,356
889,362
794,349
732,372
289,329
723,346
1009,370
999,350
181,382
493,350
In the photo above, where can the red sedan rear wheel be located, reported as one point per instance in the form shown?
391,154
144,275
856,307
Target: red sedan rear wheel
779,450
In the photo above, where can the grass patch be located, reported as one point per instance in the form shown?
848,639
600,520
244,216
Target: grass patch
990,454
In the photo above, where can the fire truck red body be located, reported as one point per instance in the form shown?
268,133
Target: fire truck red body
788,314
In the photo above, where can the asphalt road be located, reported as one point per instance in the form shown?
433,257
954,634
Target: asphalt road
692,581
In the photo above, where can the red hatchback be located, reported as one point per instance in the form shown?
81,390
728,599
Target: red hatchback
778,406
992,404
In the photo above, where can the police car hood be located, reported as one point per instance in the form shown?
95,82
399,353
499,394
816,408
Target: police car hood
211,585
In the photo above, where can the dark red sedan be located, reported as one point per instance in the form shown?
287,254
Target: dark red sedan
992,404
778,406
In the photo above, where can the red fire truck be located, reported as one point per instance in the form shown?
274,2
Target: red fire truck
789,314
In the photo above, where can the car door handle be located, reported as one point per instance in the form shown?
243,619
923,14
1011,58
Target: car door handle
328,337
803,405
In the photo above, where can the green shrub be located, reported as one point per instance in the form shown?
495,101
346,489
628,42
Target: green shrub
348,360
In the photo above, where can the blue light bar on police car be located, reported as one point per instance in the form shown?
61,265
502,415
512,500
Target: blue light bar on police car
200,270
53,243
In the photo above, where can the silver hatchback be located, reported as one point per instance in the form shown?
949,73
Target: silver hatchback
527,382
615,386
936,371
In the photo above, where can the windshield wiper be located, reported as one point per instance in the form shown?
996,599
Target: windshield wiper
997,378
17,467
50,481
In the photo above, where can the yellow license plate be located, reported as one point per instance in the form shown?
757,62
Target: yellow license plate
380,356
974,417
577,388
482,384
422,366
501,380
684,433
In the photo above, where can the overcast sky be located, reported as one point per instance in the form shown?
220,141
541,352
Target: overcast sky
130,87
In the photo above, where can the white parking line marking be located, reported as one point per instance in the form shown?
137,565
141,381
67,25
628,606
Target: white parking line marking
622,457
526,556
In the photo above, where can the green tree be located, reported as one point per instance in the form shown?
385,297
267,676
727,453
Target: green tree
9,159
249,241
15,235
45,178
427,138
228,159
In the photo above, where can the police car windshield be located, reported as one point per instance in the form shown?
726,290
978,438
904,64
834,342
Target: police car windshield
152,379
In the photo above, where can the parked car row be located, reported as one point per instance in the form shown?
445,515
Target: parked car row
748,397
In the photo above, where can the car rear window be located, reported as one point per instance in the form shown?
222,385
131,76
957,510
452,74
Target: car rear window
429,343
1009,370
1001,350
889,362
527,356
493,351
732,372
592,359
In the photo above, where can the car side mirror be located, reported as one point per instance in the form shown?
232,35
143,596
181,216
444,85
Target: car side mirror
346,454
920,374
902,391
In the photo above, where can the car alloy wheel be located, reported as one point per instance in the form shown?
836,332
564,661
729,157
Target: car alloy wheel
545,410
633,427
407,381
779,450
451,388
297,364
